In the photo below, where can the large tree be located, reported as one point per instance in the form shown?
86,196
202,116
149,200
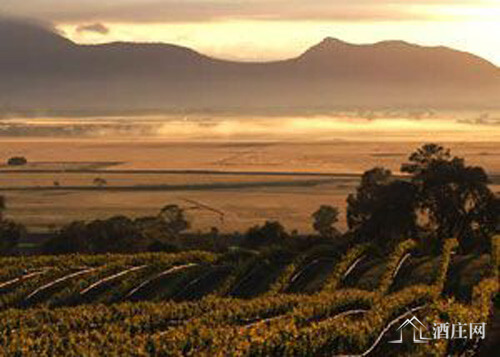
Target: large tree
383,210
453,198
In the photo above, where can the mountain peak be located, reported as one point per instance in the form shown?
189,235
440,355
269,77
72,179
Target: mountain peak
331,41
330,47
326,47
29,35
329,44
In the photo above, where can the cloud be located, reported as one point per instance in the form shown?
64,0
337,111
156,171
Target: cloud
97,28
218,10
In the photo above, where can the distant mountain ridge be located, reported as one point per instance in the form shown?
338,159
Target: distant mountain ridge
41,70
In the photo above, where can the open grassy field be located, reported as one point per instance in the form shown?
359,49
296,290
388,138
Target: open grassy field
250,181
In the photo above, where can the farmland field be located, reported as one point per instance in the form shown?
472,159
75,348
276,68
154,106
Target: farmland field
211,178
250,181
190,303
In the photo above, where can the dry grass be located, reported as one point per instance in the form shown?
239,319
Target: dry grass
245,206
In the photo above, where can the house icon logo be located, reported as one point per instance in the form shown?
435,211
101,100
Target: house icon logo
418,331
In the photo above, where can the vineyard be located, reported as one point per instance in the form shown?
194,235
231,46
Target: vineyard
318,303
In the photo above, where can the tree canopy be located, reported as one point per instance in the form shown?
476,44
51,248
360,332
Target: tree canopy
442,197
454,197
271,233
382,209
121,234
324,220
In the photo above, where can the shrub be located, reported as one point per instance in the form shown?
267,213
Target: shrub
117,235
271,233
17,161
10,235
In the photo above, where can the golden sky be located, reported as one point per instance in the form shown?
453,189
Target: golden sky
272,29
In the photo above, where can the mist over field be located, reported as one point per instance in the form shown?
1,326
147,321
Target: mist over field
249,178
367,126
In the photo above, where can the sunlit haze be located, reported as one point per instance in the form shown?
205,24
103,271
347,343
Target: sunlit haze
276,29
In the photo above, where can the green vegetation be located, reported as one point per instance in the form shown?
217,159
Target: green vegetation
159,321
421,245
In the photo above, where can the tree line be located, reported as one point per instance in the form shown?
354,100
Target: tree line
438,197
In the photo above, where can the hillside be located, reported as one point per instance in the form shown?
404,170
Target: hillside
41,70
185,303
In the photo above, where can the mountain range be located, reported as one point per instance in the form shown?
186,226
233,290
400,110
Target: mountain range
42,70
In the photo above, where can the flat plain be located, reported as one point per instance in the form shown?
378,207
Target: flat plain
249,181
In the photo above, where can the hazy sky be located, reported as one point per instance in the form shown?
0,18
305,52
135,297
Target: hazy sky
271,29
